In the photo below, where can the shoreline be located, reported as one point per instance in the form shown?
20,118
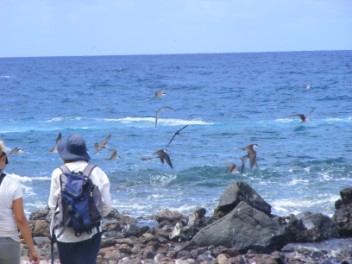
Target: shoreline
174,238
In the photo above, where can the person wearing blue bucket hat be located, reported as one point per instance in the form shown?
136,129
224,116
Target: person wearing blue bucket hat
73,149
84,248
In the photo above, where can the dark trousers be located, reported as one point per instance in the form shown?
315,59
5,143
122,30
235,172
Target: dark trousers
84,252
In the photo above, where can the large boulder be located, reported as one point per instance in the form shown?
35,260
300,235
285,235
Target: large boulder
310,227
237,192
343,214
245,227
41,214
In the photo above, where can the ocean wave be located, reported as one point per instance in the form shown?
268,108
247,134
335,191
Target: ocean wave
60,119
284,120
299,205
129,120
29,178
171,122
163,179
326,120
184,209
336,119
55,119
6,77
297,181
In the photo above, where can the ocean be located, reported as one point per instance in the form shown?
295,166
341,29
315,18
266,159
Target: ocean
227,100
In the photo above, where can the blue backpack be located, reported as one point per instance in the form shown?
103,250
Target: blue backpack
80,203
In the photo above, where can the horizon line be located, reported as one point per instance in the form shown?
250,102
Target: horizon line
170,54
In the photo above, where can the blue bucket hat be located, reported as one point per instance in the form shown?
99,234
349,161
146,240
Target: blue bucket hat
74,149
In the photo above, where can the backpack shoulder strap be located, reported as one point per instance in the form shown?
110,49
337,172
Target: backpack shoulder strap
2,176
64,169
88,170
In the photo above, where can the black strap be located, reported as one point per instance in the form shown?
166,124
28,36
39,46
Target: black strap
53,240
2,176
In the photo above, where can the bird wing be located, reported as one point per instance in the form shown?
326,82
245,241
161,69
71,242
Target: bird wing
165,107
97,147
172,139
113,154
160,154
161,109
102,145
177,133
244,159
163,156
310,113
168,160
14,151
168,107
301,116
245,148
159,93
106,140
57,142
156,118
252,159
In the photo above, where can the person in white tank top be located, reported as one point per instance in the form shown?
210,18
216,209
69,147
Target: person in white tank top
13,218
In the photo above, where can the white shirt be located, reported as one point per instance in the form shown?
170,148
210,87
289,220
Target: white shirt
10,190
99,178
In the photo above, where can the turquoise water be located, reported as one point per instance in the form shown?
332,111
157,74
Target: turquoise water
228,100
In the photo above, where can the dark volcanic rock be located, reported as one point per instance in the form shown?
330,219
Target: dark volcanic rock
237,192
310,227
343,213
245,233
245,228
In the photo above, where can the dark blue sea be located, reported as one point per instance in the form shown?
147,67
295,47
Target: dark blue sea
228,101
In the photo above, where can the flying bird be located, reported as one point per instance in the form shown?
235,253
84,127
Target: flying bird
100,146
251,155
304,118
57,142
163,156
308,85
176,133
113,155
160,93
159,110
15,150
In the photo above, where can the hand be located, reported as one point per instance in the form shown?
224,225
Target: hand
34,257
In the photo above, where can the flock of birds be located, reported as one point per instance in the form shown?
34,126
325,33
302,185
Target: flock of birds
163,155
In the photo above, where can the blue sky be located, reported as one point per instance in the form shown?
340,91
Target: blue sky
124,27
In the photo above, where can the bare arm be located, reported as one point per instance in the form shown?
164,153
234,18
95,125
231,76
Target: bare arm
23,226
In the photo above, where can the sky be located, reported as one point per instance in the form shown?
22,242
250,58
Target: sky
32,28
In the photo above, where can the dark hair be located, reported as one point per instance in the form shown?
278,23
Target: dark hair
4,154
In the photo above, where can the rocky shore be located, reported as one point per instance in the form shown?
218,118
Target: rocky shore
240,230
